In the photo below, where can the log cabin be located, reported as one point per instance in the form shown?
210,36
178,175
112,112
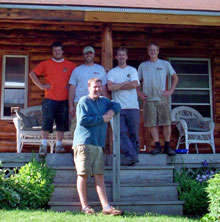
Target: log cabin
188,34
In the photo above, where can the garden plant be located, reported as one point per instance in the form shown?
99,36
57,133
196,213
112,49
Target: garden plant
29,187
192,189
213,190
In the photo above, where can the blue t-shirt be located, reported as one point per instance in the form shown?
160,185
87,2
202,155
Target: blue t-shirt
90,127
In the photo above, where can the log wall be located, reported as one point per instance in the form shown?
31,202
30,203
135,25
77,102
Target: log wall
33,38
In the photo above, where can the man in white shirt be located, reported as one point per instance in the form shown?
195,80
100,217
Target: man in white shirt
122,82
78,83
153,74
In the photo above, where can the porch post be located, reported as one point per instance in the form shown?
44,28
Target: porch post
106,59
116,158
107,47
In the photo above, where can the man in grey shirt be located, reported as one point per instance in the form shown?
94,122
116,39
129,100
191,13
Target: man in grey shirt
153,74
78,83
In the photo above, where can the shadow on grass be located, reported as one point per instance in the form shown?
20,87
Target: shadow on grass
135,215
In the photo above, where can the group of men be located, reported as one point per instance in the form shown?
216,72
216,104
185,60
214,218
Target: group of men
82,92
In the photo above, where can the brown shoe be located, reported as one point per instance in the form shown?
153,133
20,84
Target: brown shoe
112,211
88,210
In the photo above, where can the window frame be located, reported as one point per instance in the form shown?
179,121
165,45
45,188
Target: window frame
3,86
210,104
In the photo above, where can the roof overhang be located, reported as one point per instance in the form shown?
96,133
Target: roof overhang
108,14
196,5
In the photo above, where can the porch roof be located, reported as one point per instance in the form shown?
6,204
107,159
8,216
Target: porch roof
204,5
114,11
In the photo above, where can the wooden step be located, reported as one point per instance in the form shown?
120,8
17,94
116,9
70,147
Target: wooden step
67,159
68,192
144,160
20,159
138,174
143,174
149,192
129,191
161,207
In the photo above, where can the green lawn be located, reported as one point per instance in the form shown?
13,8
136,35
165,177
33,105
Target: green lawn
50,216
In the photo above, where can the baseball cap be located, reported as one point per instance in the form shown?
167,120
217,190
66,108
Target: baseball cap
88,49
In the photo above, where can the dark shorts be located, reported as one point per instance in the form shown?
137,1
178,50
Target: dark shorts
55,110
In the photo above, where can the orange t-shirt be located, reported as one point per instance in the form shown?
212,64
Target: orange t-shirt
57,74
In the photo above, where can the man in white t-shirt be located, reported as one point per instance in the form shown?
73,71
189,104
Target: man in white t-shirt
122,82
78,83
153,74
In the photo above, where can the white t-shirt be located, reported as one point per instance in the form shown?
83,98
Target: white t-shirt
154,76
82,74
127,98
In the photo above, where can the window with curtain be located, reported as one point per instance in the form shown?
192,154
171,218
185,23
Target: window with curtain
14,84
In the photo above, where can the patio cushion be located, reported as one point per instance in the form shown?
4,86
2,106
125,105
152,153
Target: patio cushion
34,128
27,121
195,125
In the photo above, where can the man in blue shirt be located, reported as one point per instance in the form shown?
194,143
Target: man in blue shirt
93,113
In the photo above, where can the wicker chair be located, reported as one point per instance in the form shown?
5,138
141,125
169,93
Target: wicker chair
32,134
193,128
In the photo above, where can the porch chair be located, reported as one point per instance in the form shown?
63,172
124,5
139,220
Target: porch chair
28,129
192,127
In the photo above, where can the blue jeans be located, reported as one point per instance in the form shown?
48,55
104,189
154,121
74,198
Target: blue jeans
129,132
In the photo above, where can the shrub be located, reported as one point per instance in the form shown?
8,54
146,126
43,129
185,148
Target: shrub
213,190
192,191
31,187
8,196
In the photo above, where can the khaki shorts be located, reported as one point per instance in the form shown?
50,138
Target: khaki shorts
89,159
156,113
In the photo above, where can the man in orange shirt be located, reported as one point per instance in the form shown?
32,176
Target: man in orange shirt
56,72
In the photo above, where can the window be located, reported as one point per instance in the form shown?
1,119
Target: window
194,86
14,84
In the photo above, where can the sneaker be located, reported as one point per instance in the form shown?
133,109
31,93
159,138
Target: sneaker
136,160
128,162
112,211
88,210
156,151
43,151
59,149
169,151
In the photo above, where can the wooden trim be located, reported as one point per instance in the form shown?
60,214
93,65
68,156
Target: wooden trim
210,5
56,15
117,17
152,18
107,47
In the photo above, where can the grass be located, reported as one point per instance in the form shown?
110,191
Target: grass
51,216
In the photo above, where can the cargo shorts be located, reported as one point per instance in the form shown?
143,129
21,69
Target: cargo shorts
89,159
156,113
